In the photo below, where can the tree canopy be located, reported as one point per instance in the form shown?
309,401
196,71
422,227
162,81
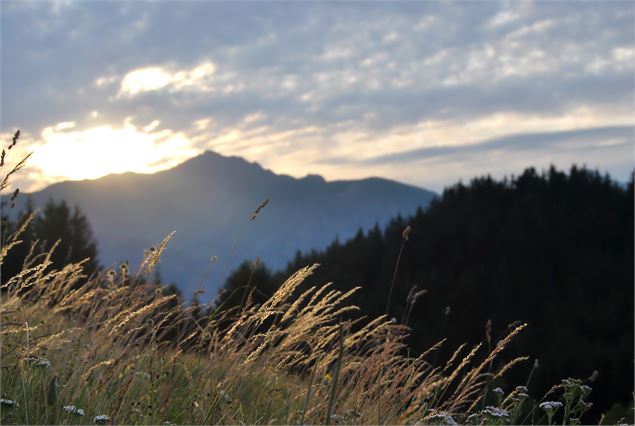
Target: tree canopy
56,224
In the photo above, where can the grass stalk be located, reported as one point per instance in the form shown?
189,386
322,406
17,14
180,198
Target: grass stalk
338,367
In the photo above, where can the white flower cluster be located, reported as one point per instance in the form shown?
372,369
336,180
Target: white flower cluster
37,361
7,402
73,410
550,405
443,419
101,419
499,391
495,412
520,394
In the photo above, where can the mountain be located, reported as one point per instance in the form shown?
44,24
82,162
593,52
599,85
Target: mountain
209,201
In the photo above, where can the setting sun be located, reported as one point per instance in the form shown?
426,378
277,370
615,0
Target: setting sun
68,153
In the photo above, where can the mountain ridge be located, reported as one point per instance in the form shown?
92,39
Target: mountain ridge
209,199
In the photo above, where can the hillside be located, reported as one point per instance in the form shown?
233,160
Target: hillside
209,200
554,250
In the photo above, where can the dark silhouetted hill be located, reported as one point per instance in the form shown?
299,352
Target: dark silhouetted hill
209,200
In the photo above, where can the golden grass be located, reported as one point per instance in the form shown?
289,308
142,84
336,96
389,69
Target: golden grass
131,353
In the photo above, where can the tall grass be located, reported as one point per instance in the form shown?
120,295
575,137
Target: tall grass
124,349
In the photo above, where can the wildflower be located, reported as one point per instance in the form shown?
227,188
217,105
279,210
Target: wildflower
474,419
441,419
73,410
7,402
495,412
520,396
101,419
550,406
571,383
36,361
522,389
586,390
499,391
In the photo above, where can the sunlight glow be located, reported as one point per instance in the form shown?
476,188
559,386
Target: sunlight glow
67,153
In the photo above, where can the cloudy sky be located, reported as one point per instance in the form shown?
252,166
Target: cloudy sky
422,92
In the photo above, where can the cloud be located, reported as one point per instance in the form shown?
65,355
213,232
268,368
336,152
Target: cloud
574,140
300,85
153,78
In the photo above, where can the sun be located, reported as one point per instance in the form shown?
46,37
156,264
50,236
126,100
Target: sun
68,153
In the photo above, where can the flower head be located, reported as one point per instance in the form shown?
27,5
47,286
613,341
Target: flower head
550,406
101,419
441,419
73,410
7,402
37,361
495,412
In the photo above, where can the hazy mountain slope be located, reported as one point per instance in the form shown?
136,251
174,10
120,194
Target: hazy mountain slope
208,201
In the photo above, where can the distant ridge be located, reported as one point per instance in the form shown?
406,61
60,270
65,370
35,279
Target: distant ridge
208,201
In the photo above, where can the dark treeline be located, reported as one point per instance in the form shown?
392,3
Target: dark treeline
554,250
56,225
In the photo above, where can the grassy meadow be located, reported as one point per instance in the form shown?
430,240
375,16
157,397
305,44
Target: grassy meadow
115,349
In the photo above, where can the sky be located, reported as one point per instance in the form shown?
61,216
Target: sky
427,93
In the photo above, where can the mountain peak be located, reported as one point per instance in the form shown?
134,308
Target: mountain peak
213,163
210,198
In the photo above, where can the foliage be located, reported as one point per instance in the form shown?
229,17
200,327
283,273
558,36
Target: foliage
56,226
